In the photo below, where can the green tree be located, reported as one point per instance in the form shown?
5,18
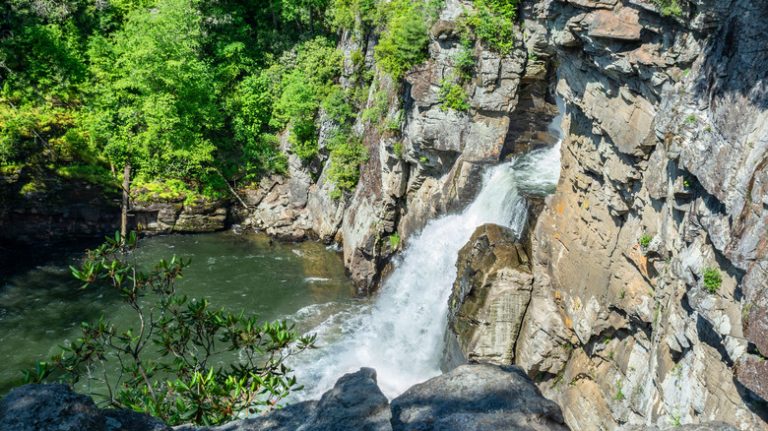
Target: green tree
169,361
155,103
404,42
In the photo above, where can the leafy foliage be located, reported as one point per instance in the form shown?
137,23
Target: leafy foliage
184,381
712,279
452,96
347,153
645,240
493,22
183,89
403,44
669,7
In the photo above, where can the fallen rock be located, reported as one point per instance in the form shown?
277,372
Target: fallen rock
476,397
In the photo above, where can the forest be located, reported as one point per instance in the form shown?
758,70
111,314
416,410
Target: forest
194,94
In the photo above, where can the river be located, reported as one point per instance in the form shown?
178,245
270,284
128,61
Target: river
42,306
399,332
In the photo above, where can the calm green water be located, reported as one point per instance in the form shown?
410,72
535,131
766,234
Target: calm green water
42,306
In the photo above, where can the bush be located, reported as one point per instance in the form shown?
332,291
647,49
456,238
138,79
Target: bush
378,107
645,240
403,44
493,22
465,62
397,148
336,106
452,96
712,279
347,153
170,362
669,7
394,240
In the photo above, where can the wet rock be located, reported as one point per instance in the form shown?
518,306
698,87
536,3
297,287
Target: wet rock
476,397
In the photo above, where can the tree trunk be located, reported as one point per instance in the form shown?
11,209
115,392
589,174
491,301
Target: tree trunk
124,207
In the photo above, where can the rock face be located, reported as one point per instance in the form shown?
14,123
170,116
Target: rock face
490,295
665,146
53,210
159,215
471,397
430,164
56,408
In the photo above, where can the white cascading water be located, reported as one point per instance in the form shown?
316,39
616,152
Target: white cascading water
401,333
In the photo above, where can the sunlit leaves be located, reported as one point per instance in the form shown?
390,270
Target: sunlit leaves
170,358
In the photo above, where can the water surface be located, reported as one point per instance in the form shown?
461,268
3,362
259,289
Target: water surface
43,306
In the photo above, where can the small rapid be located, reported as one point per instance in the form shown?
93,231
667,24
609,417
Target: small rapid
400,334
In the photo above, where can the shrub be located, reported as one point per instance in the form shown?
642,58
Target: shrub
712,279
394,240
394,123
378,107
645,240
493,22
404,42
669,7
347,153
397,148
336,106
465,62
170,362
452,96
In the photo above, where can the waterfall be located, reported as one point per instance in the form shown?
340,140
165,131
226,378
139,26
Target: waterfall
401,333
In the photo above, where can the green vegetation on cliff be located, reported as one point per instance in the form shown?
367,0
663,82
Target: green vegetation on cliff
206,93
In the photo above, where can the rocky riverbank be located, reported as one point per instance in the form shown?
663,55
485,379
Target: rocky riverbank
471,397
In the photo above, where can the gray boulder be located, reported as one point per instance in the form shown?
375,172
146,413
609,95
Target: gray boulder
56,407
354,403
478,397
712,426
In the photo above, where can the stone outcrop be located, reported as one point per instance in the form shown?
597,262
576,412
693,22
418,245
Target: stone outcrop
162,216
55,407
471,397
40,208
476,397
490,295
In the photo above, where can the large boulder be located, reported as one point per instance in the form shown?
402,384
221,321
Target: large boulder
476,397
56,407
490,295
354,403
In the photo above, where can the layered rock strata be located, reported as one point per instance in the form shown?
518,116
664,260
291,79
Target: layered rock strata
649,262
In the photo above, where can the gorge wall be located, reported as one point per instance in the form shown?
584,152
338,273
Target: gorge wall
429,162
649,291
663,187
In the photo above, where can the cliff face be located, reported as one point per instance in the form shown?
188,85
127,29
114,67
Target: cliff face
650,268
428,163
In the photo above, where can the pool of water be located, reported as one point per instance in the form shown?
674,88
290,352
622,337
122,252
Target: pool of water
42,306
